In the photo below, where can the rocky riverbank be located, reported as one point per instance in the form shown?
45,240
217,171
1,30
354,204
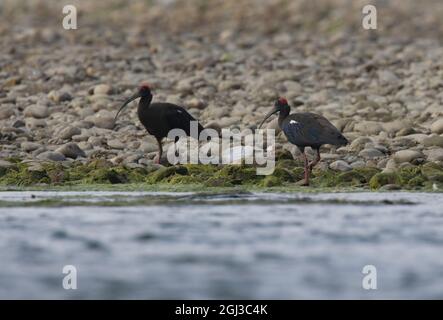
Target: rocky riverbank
226,63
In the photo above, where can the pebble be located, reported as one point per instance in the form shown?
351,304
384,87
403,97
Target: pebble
358,164
368,127
68,132
5,164
105,122
359,143
340,165
435,155
51,155
29,146
102,89
407,156
71,150
37,111
370,153
437,126
116,144
6,112
433,141
33,123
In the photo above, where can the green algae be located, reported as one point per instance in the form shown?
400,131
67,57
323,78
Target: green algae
407,178
271,181
384,178
101,173
432,172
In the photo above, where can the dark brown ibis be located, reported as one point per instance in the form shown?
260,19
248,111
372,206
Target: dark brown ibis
306,129
160,117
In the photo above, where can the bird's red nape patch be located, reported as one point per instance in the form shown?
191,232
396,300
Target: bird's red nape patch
145,86
282,101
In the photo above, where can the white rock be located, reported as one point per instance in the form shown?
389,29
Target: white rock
116,144
435,155
358,164
437,126
407,156
104,122
368,127
29,146
387,77
6,112
37,111
340,165
102,89
370,153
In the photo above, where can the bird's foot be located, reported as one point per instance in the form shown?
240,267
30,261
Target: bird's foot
302,183
157,159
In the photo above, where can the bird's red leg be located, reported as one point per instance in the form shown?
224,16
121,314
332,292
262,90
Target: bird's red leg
305,182
315,161
160,152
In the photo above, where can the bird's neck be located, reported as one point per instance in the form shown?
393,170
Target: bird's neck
282,116
144,103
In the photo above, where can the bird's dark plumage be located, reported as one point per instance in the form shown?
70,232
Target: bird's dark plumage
306,130
169,115
311,130
160,118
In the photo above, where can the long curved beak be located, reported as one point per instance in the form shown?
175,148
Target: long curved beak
270,113
132,98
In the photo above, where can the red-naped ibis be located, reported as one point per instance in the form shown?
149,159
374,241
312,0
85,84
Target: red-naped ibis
160,117
306,129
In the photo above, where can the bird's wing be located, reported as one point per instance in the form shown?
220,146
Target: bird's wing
327,133
293,130
178,117
311,129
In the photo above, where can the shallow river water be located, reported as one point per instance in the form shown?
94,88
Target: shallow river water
226,246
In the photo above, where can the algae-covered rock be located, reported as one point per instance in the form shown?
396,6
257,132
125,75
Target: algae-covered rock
166,172
282,154
238,174
324,178
271,181
284,175
432,172
203,171
5,166
21,175
181,179
351,178
104,175
218,182
381,179
288,163
356,177
299,173
409,175
56,172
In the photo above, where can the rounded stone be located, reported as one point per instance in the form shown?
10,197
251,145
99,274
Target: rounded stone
370,153
36,111
433,141
435,155
437,126
71,150
340,165
102,89
407,156
51,156
29,146
68,132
